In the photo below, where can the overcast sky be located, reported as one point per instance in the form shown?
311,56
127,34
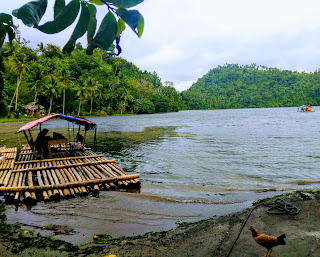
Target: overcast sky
184,39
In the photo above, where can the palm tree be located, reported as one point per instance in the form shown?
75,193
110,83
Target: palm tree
126,95
37,79
51,89
82,94
66,79
92,88
18,66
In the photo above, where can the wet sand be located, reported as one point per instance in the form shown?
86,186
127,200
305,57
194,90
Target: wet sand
114,213
212,237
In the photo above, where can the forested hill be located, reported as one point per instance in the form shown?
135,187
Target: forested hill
79,84
234,86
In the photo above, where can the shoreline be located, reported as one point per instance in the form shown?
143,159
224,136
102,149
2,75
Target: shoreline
209,237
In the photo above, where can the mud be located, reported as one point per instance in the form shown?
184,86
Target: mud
212,237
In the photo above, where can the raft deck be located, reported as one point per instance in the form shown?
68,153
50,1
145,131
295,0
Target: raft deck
24,177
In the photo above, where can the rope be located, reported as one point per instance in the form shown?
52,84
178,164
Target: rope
276,207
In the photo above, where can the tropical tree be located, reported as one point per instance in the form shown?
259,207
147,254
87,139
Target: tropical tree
37,79
52,89
64,75
93,89
18,64
82,94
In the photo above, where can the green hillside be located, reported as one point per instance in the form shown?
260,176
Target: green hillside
80,84
235,86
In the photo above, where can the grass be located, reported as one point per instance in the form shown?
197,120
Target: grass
15,120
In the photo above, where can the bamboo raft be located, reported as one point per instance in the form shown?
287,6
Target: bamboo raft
24,177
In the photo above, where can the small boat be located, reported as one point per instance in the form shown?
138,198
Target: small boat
66,168
305,108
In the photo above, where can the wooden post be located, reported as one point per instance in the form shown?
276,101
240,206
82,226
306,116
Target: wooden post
25,134
84,138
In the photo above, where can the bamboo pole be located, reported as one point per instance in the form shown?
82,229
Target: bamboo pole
46,182
78,178
27,195
68,185
56,193
17,195
62,180
44,193
70,180
30,183
64,158
65,166
73,179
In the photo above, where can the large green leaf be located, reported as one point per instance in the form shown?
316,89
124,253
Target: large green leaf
6,18
96,2
58,7
125,3
31,13
3,33
134,19
11,33
79,30
121,26
106,34
92,26
65,18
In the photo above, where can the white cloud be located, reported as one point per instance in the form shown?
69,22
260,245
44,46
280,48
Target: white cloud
184,39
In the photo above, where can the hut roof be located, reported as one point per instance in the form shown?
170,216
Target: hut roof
80,121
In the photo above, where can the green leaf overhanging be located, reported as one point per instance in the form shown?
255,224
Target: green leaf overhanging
65,18
92,26
80,29
96,2
6,18
11,33
31,13
106,34
121,26
58,7
3,33
134,19
125,3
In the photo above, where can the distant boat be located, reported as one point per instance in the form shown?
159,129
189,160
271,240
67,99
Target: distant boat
305,108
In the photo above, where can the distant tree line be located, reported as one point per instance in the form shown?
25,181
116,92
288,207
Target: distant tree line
80,84
250,86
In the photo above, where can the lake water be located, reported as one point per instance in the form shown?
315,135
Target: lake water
193,165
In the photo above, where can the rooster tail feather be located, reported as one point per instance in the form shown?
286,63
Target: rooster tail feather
280,239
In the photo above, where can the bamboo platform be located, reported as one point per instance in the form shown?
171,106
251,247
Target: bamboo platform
23,177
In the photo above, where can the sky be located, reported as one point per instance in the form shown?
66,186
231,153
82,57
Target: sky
184,39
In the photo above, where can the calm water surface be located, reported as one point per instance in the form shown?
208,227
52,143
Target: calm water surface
205,163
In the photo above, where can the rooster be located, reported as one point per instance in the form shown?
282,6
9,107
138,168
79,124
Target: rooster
267,241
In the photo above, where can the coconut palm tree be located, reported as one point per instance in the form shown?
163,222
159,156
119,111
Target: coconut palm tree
92,88
82,94
37,79
18,64
52,89
66,79
126,95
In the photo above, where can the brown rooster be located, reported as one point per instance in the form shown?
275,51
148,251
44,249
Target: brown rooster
267,241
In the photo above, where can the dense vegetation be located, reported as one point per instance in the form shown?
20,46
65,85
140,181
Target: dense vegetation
81,84
234,86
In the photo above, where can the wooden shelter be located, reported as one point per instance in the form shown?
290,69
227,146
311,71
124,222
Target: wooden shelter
73,170
34,109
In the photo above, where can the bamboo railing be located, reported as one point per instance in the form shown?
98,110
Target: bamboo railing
60,177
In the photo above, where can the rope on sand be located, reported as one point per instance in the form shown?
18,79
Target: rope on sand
277,207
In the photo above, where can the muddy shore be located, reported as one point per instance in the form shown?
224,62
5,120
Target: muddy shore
212,237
